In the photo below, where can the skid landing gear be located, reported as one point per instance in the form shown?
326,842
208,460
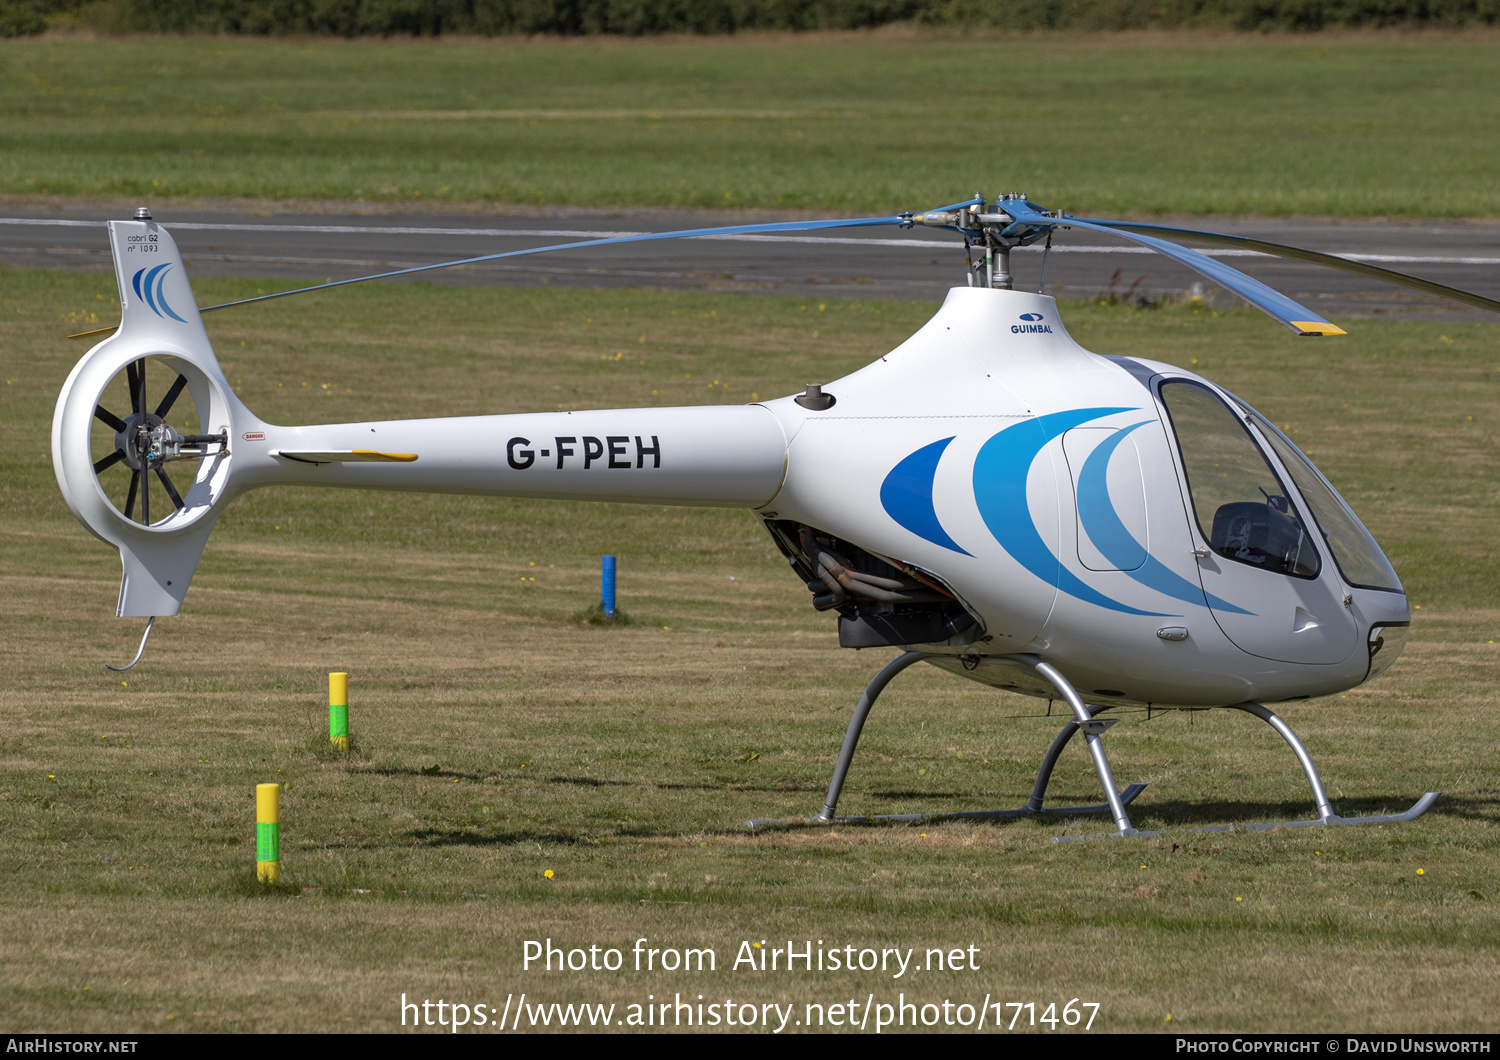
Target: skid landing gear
1320,796
1085,719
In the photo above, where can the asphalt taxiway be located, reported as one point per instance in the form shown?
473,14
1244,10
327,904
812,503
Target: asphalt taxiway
321,242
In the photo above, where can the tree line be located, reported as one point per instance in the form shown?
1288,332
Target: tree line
430,18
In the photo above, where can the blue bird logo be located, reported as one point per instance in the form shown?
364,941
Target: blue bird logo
148,287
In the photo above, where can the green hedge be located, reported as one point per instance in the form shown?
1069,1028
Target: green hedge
354,18
1222,14
492,17
20,18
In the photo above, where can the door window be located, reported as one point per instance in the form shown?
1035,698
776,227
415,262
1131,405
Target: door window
1359,558
1242,509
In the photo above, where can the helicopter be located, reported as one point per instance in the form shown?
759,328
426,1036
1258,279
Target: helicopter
989,497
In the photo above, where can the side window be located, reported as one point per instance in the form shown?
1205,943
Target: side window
1242,509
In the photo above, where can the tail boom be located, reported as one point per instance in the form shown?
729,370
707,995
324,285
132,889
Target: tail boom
707,456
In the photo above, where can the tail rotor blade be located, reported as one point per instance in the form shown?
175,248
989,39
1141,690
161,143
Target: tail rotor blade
109,461
171,396
108,418
166,483
135,481
140,388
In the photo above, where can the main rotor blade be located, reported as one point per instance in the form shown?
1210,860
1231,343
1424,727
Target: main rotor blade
171,396
1273,303
105,462
904,220
161,473
1332,261
108,418
685,233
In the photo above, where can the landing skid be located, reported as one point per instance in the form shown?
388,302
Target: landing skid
1085,719
1326,816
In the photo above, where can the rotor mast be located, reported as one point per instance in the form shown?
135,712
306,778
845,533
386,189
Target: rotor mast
988,240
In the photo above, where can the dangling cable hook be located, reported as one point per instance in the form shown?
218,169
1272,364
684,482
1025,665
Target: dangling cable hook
138,652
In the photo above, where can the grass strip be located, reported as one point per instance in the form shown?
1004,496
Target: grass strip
587,784
1379,124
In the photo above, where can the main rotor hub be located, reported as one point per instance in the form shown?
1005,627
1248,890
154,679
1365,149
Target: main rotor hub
989,228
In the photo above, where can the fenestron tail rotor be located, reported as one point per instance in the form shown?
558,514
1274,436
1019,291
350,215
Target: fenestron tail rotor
143,443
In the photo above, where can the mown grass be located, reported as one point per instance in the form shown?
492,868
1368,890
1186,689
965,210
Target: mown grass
626,760
1353,124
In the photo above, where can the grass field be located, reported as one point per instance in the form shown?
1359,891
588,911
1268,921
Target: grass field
1354,124
499,739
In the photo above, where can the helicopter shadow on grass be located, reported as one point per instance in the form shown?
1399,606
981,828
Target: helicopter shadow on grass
440,773
477,839
929,795
437,772
1175,814
770,787
1188,814
1168,815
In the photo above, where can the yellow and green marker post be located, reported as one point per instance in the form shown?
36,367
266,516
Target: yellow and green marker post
268,833
338,711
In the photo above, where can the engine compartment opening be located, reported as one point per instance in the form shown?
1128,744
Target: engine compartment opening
881,602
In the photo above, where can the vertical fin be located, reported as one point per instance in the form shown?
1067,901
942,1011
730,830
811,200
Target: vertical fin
156,299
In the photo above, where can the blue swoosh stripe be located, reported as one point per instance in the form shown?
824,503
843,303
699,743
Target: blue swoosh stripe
136,282
906,495
1000,473
147,283
161,297
1096,510
1102,523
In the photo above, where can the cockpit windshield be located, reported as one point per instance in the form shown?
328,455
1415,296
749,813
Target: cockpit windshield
1242,509
1359,558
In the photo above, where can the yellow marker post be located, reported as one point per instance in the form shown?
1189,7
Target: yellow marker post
268,833
338,711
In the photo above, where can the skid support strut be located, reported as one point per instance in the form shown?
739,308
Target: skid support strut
1326,814
1083,720
1086,720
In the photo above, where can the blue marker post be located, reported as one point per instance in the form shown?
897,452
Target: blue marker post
607,588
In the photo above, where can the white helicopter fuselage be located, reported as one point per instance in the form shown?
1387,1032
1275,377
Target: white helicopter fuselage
1043,486
993,366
